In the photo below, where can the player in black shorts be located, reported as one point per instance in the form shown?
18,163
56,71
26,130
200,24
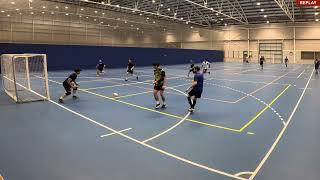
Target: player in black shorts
286,60
261,62
316,65
70,85
159,85
191,68
100,67
195,91
130,68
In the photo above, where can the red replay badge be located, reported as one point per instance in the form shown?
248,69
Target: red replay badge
308,2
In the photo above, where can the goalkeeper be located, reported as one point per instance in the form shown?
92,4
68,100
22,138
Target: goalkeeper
70,85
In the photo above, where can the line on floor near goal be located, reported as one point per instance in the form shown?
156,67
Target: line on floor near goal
179,158
110,134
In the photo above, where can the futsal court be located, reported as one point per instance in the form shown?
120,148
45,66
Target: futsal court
240,83
244,115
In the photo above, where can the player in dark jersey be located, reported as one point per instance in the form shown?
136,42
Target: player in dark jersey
191,68
286,60
195,91
100,68
159,85
130,68
261,62
70,85
316,66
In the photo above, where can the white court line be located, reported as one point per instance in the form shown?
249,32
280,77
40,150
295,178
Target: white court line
236,80
118,84
301,74
282,131
173,127
243,173
149,146
110,134
168,130
277,79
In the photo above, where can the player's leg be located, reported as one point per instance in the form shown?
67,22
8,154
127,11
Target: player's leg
156,97
134,74
127,76
74,90
192,102
68,92
189,72
163,98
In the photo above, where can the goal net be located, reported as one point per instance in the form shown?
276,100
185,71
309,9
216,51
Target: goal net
25,77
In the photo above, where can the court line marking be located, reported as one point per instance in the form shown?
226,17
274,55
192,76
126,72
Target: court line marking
150,146
191,120
301,74
151,90
246,94
171,115
254,82
152,110
130,95
160,112
146,82
172,127
243,173
264,109
118,84
168,130
255,172
110,134
253,92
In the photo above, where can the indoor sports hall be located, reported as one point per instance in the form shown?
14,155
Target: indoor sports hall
159,90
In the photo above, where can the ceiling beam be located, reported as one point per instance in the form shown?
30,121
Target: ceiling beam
284,6
217,11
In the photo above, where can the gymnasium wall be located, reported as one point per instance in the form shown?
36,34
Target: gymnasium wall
33,30
61,57
295,38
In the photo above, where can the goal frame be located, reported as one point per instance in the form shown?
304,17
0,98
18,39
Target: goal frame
15,95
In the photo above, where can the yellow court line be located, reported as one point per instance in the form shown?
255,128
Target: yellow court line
264,86
190,120
135,94
159,112
264,109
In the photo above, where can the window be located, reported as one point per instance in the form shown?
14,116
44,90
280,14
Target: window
310,55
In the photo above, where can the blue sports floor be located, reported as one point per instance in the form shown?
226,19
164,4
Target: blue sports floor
249,124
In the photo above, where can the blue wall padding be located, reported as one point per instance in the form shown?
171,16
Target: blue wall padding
65,57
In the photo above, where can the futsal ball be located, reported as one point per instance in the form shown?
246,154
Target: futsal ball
115,94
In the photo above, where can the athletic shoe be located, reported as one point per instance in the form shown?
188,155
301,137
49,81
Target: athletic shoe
75,97
163,106
137,78
126,79
191,110
60,100
157,106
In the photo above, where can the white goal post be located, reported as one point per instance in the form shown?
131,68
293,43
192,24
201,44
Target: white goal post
25,77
